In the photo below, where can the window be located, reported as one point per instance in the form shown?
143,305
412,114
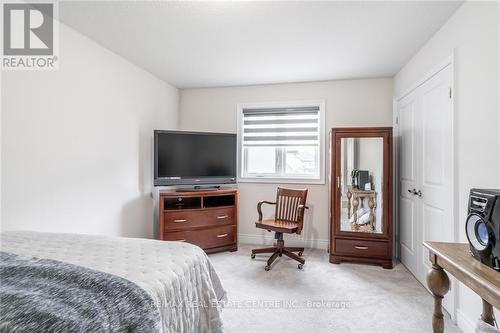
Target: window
281,142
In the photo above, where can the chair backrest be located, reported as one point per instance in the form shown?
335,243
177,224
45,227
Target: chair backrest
287,206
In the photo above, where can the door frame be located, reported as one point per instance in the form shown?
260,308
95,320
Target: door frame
448,61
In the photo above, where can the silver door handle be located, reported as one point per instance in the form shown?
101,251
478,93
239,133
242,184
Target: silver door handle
221,217
221,235
180,221
361,247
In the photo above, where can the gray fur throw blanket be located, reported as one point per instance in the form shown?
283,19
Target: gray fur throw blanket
43,295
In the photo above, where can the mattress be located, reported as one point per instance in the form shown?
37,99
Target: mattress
178,276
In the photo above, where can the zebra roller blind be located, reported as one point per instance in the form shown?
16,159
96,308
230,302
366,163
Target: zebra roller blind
281,142
281,127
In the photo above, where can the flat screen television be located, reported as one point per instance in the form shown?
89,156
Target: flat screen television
194,158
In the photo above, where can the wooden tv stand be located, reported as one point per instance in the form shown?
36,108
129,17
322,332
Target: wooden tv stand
204,218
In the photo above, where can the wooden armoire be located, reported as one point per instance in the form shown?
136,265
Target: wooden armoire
361,204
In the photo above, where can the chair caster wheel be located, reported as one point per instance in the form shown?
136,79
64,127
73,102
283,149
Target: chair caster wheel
267,268
300,266
300,254
252,256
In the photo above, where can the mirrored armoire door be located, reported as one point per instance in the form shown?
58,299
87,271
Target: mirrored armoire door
361,195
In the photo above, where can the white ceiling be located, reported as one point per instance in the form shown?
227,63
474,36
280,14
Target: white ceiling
207,44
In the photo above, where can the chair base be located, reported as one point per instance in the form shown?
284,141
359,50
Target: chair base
280,250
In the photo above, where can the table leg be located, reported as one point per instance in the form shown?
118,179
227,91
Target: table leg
349,196
371,205
487,315
439,284
355,205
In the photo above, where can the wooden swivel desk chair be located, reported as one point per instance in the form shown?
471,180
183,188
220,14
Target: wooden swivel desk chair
289,218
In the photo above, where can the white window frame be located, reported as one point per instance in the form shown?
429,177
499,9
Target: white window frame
283,180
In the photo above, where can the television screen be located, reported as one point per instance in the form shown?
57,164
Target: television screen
191,158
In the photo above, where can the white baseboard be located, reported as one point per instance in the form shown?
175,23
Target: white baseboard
465,323
289,241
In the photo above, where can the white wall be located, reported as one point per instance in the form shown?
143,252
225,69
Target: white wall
474,33
348,103
1,98
76,142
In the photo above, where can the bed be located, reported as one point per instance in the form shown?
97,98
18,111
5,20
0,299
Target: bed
150,285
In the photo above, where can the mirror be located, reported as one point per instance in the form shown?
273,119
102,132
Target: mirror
361,184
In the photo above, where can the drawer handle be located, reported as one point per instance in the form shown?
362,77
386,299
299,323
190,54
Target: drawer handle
222,217
180,221
361,247
221,235
181,240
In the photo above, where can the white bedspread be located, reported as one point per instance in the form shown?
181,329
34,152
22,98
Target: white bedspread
178,276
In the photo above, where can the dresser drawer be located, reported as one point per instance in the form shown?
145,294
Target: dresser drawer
362,248
207,238
196,219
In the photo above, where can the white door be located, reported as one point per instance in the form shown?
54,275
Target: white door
408,212
426,172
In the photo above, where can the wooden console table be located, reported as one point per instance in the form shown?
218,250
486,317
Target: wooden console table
356,196
456,260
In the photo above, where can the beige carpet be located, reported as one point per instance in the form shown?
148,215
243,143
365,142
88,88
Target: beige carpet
321,298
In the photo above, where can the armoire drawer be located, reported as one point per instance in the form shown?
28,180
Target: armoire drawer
362,248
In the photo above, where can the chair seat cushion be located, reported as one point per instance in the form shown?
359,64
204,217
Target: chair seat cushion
278,226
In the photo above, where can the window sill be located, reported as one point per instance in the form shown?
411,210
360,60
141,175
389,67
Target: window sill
282,181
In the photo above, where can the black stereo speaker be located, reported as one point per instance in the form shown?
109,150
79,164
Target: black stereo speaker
483,226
